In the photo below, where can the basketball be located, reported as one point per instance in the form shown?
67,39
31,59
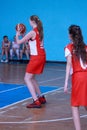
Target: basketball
21,28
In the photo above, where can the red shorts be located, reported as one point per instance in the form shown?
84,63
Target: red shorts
36,64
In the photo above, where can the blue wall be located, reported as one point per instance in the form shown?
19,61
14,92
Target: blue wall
56,17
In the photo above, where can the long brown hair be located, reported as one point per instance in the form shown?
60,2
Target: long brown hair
39,25
79,45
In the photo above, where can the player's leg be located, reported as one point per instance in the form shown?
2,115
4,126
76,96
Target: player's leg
37,89
11,53
29,82
76,118
3,52
6,53
21,54
17,53
35,83
27,54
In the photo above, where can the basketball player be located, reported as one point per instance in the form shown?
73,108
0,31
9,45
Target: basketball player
37,60
14,49
5,48
76,55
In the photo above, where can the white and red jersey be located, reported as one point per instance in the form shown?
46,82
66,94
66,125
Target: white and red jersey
5,44
36,46
77,65
15,45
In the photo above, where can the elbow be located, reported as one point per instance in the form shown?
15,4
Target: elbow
18,42
69,64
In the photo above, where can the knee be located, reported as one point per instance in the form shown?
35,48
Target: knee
25,78
28,78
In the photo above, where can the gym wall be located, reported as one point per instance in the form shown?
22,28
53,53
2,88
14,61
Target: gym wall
56,15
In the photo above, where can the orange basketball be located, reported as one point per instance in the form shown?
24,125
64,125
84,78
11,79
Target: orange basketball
21,28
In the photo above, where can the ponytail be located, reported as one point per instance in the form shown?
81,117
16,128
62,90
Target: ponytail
79,45
39,25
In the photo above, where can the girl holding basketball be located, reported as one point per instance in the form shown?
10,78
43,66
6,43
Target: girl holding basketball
76,55
37,60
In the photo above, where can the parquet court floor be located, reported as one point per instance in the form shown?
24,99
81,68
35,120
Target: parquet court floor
14,96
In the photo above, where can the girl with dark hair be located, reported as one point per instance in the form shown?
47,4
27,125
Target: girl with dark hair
76,55
5,48
37,60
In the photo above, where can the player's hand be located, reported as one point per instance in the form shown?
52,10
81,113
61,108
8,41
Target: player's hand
18,33
65,88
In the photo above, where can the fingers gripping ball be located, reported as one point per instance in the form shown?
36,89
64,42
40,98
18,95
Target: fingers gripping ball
21,28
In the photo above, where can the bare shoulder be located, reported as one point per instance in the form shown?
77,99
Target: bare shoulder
32,32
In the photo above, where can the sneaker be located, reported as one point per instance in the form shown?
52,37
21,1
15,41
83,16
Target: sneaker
6,61
35,104
42,100
2,60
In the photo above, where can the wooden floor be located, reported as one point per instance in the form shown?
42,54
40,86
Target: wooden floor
55,115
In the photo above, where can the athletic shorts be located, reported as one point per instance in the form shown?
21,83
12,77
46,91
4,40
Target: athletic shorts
36,64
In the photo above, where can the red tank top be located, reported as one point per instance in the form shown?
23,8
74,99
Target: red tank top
77,65
36,45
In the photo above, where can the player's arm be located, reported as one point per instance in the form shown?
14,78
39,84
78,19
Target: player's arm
9,43
68,67
2,44
28,36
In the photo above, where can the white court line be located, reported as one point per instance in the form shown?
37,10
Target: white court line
11,116
28,99
10,83
52,79
15,103
42,121
56,69
25,85
11,89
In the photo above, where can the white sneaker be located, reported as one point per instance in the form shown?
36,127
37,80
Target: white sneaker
2,60
6,61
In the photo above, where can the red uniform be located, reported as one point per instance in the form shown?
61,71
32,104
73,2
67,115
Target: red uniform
79,79
37,55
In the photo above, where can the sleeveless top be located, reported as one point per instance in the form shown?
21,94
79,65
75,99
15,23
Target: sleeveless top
77,65
36,45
